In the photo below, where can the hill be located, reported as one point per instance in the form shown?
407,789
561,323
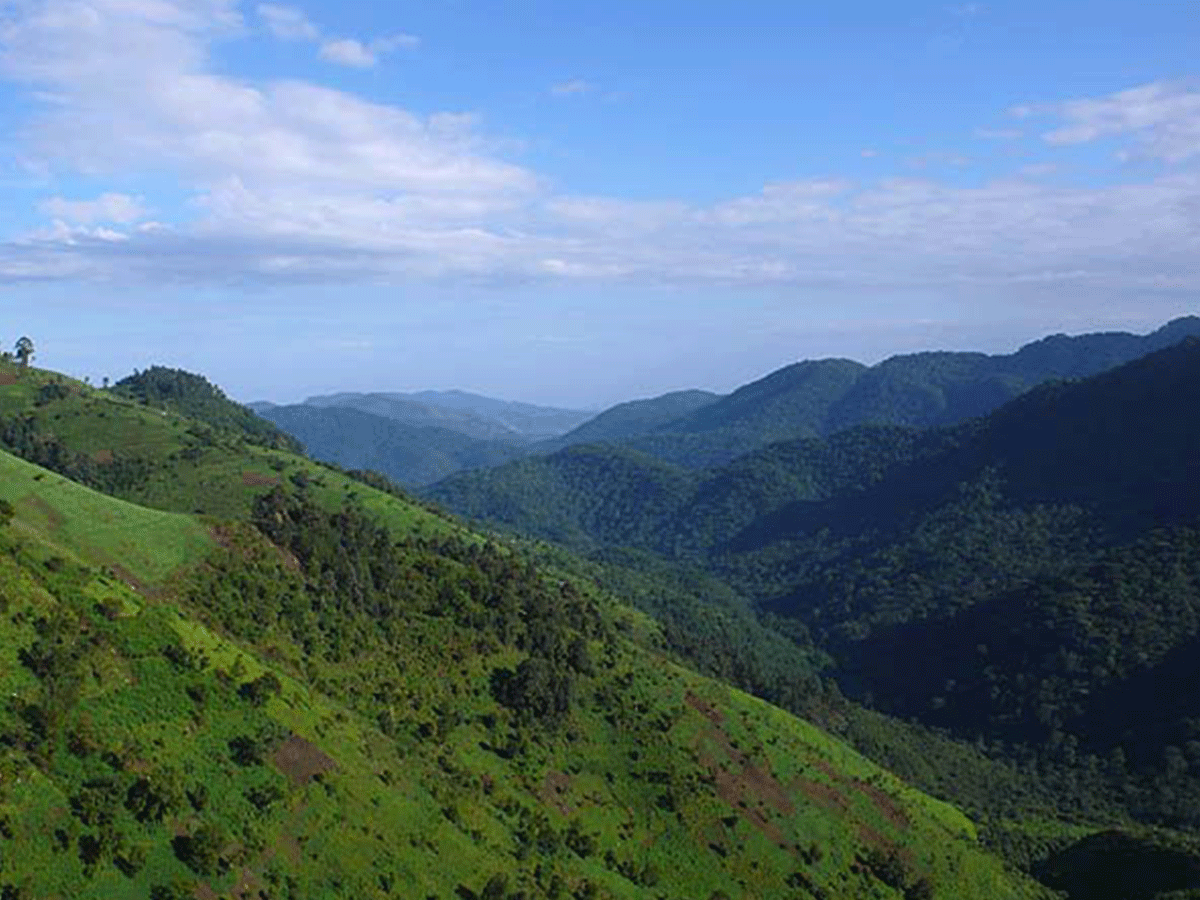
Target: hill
822,397
982,579
322,689
195,397
531,421
412,455
634,418
469,414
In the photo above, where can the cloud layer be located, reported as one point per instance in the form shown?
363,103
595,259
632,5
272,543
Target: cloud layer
291,180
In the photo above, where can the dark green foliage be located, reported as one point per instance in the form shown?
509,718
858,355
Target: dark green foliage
194,396
1113,864
201,851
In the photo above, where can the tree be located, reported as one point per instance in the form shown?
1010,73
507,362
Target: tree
24,350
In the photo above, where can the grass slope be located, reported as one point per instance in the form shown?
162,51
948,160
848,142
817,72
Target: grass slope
143,754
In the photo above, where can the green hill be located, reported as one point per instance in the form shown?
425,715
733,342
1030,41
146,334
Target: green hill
637,417
195,397
822,397
1026,581
322,689
412,455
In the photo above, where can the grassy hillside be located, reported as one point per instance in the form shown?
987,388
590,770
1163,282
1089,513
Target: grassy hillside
146,754
333,692
1026,581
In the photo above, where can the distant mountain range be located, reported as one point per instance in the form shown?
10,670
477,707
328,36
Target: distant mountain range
419,438
434,434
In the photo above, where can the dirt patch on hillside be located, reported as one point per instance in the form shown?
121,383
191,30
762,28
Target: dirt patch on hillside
705,709
301,761
824,795
204,892
554,791
7,378
257,479
885,803
103,457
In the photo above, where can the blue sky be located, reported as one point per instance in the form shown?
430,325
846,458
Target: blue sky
580,203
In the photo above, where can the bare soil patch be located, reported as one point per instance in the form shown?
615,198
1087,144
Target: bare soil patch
103,457
7,378
885,803
705,709
301,761
554,791
257,479
824,795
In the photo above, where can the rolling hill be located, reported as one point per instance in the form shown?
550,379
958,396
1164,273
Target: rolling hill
315,687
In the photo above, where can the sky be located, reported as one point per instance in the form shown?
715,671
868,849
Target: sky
581,203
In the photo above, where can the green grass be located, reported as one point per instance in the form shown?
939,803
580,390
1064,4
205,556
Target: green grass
683,787
143,544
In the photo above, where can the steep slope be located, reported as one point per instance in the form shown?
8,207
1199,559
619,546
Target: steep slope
412,455
1027,580
340,656
1031,582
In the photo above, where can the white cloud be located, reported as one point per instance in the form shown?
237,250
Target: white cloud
571,88
290,180
287,23
116,208
348,52
1163,116
356,54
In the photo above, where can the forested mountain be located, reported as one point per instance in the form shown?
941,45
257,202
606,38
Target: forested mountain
819,398
1027,580
634,418
468,414
604,495
697,429
412,455
319,688
530,420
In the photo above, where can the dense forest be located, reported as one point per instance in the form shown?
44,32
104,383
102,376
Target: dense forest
1024,581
